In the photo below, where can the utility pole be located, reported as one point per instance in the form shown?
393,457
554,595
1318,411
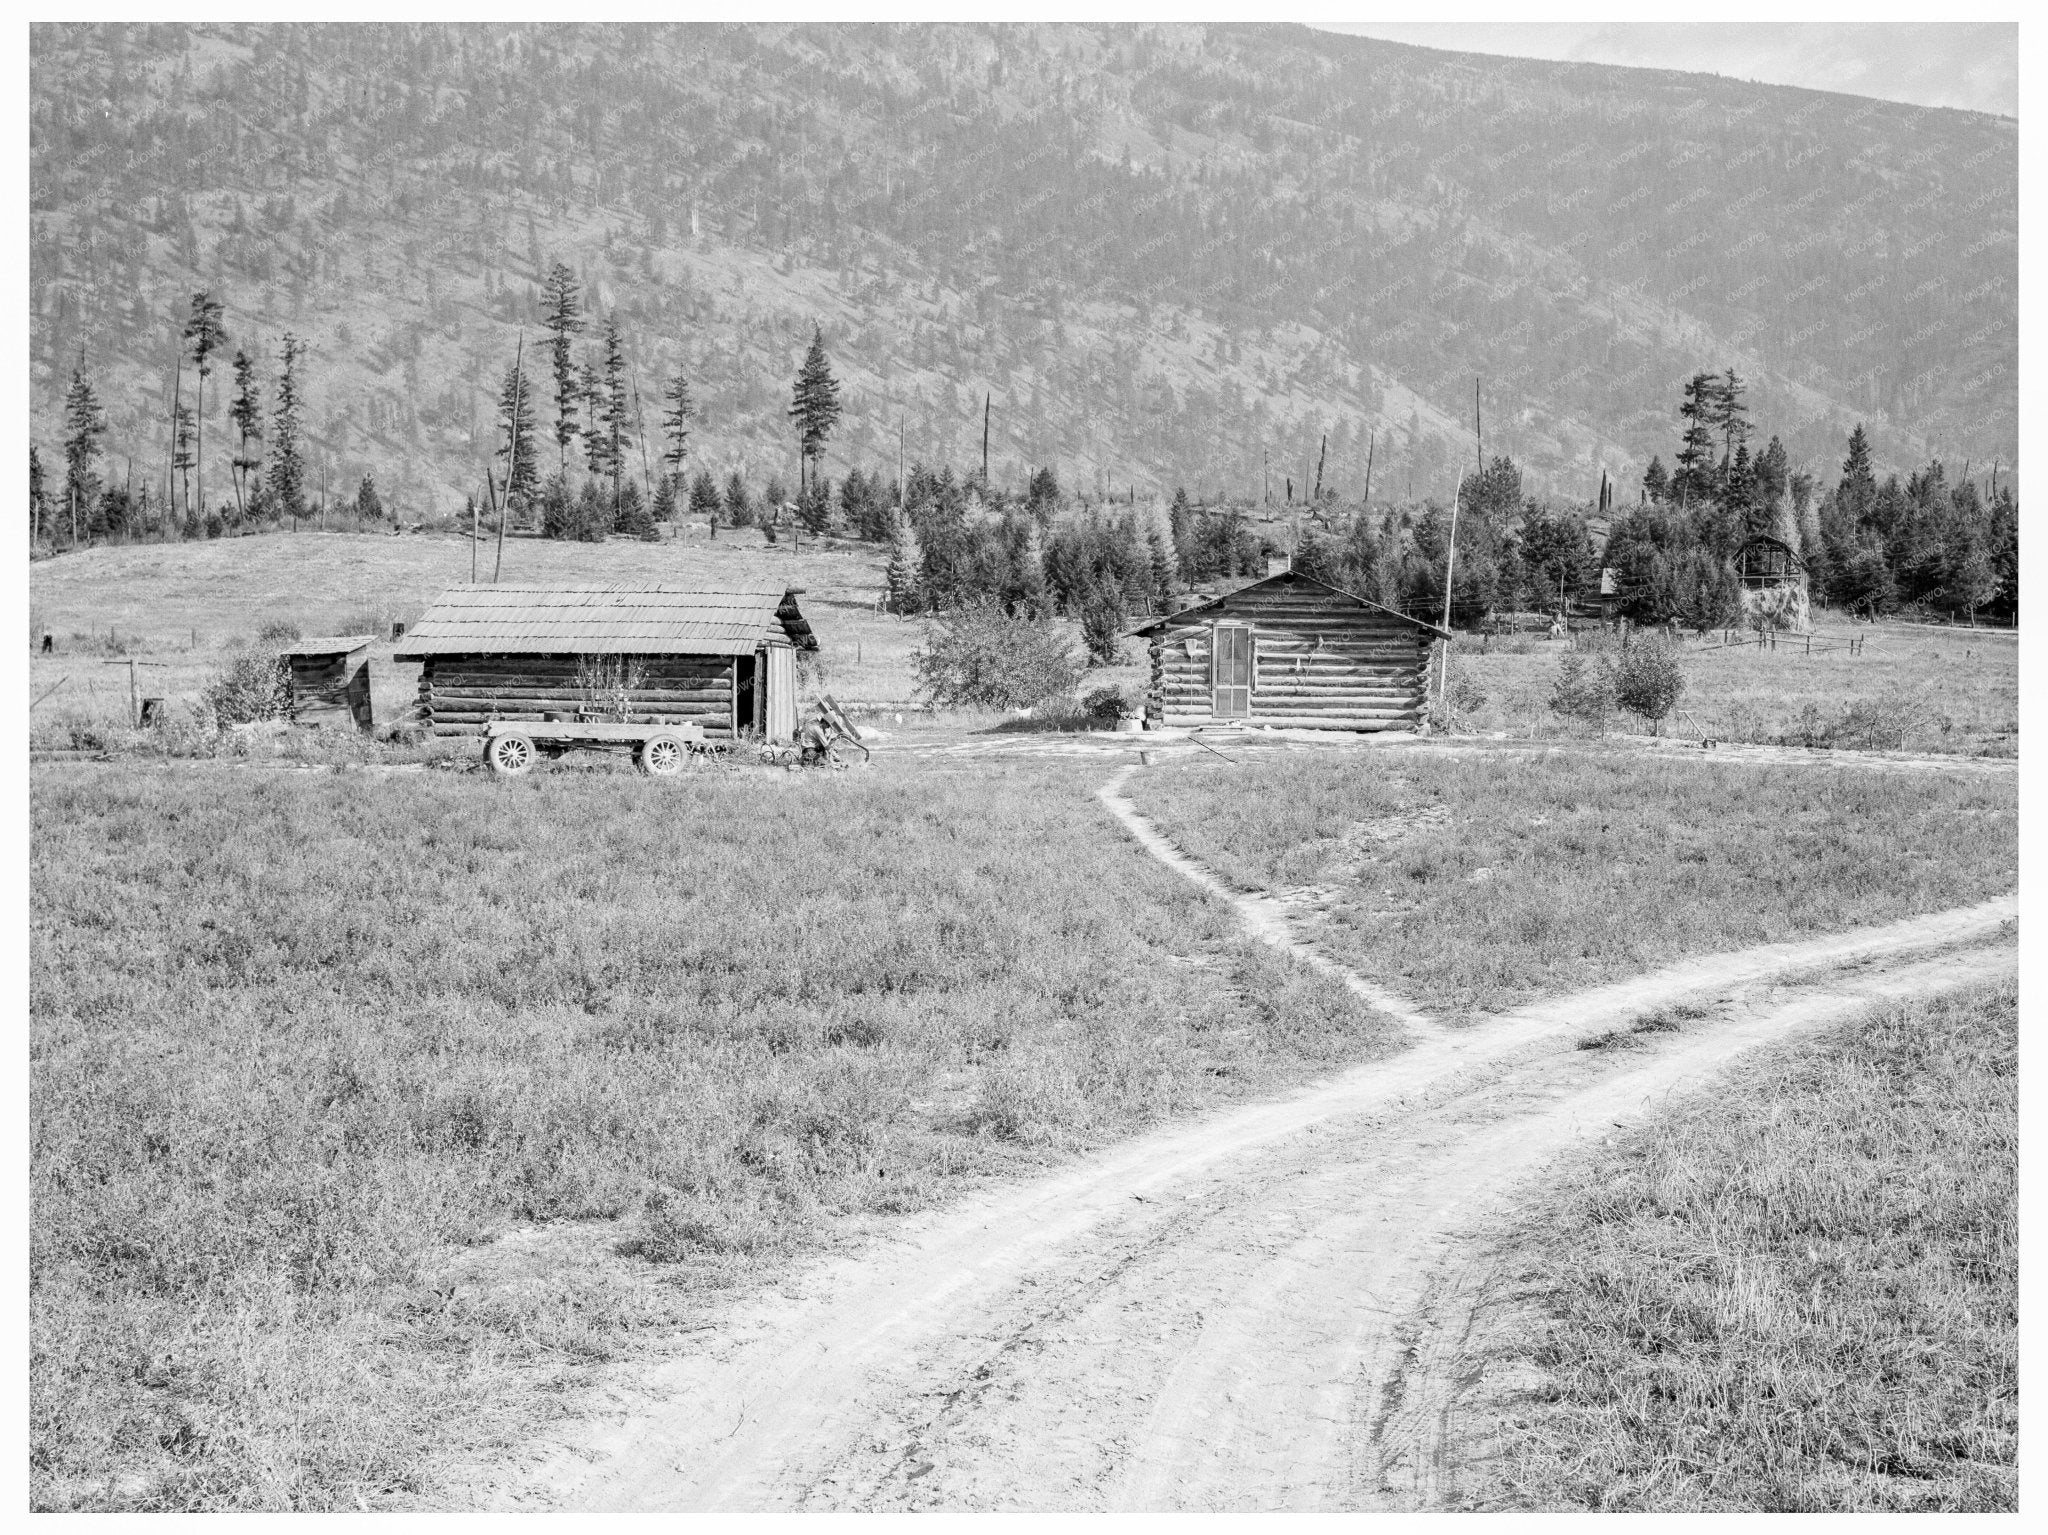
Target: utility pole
1370,443
987,407
1266,458
512,456
1478,435
1450,557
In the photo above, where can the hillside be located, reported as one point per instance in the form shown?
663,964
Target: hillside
1168,253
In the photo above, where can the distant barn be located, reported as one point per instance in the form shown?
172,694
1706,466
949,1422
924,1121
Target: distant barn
1289,651
330,680
722,657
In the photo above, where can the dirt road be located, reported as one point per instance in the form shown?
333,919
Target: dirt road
1216,1315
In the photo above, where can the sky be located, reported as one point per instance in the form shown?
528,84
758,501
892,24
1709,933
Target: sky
1974,65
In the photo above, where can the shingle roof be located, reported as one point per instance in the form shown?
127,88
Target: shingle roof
697,618
1282,578
327,645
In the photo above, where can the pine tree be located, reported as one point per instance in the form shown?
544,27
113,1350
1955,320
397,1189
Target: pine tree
369,505
181,463
203,330
704,498
1656,483
902,576
1695,478
562,318
665,499
614,409
1738,494
1856,495
675,422
1165,564
738,507
515,427
597,442
247,414
814,405
84,422
1730,414
287,474
35,496
634,521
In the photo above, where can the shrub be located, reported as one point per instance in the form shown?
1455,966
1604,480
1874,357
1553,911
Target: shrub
980,657
1648,680
279,631
1105,706
1584,689
1460,698
251,686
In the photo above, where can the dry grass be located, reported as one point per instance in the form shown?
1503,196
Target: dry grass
318,1057
183,607
1801,1297
1949,690
1473,881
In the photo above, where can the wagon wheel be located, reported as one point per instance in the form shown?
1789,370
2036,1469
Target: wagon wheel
663,756
510,754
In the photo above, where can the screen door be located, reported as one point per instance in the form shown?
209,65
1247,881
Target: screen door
1231,671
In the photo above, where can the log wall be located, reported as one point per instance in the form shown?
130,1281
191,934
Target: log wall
1318,661
460,694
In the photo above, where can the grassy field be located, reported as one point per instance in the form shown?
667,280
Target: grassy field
1799,1297
305,1043
1949,690
1475,881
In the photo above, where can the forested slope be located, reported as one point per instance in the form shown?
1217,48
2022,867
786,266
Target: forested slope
1169,253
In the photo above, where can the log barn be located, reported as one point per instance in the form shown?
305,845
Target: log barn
1289,651
721,657
330,680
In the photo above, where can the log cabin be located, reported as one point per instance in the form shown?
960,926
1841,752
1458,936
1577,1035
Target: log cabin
720,657
1292,652
330,680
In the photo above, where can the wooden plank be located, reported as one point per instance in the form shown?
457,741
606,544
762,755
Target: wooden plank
578,700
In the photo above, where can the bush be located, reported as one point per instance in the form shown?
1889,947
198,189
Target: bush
1584,689
1462,697
1648,680
980,657
1105,706
254,685
279,632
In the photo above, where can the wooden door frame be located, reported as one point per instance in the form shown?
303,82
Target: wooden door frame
1216,629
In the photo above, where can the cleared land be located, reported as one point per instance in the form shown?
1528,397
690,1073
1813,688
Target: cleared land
184,608
1799,1297
1472,881
304,1043
1938,689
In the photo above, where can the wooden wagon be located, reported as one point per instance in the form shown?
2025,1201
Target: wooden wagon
659,748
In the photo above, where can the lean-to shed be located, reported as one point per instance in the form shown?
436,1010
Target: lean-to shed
1289,651
330,680
719,656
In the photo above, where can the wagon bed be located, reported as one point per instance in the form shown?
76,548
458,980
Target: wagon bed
660,748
